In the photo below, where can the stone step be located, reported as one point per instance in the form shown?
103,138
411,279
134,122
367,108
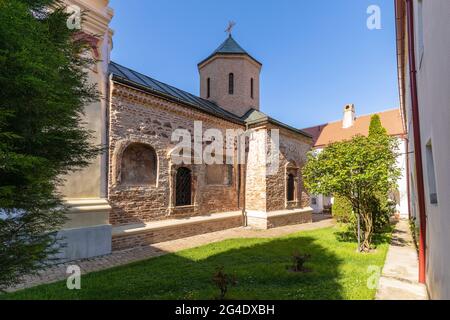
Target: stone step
88,205
144,234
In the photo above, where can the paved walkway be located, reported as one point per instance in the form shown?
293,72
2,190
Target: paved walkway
399,279
118,258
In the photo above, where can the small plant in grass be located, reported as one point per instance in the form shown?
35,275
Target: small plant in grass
223,281
298,262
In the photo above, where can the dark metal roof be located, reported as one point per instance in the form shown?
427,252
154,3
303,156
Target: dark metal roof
229,47
136,79
253,117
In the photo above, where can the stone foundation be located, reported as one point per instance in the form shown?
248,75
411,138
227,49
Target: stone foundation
87,232
269,220
125,237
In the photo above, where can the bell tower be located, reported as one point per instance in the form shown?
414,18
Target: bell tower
230,78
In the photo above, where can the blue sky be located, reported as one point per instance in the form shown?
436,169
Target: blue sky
317,55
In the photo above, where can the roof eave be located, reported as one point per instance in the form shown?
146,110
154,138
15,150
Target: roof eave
270,120
400,50
204,61
288,127
147,90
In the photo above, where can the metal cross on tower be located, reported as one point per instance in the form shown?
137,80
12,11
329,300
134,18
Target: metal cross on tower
230,27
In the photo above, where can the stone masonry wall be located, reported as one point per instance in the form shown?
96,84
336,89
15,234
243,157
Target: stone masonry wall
298,218
178,232
266,193
255,184
293,150
243,69
139,117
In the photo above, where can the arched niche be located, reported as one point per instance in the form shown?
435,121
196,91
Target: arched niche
138,165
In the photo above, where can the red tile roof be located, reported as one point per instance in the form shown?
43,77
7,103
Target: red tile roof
333,131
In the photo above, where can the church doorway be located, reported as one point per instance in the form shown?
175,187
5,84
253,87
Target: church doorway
183,183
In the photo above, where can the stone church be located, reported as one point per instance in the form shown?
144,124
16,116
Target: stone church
135,194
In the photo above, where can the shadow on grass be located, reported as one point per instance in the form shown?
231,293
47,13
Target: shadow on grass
349,236
260,267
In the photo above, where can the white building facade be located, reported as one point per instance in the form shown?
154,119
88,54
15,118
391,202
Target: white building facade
423,50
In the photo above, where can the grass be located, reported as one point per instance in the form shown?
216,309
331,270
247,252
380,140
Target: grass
260,267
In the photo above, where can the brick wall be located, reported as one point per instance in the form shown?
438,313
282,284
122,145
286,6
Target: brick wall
293,150
267,193
255,184
285,220
139,117
243,69
176,232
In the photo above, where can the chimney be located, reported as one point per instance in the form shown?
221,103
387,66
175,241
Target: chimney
349,116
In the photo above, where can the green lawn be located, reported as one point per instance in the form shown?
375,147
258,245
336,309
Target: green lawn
260,266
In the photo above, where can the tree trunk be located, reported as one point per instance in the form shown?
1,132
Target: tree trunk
368,232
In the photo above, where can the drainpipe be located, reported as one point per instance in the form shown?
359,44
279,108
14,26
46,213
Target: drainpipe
242,170
417,141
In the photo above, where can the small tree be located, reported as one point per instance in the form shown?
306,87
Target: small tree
357,170
44,88
376,129
381,205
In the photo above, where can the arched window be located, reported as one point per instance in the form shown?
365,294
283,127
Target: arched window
251,87
291,187
231,83
183,187
139,165
208,87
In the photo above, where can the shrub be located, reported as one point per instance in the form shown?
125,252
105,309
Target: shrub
382,209
342,210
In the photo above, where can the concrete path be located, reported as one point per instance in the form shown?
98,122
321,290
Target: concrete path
119,258
399,279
